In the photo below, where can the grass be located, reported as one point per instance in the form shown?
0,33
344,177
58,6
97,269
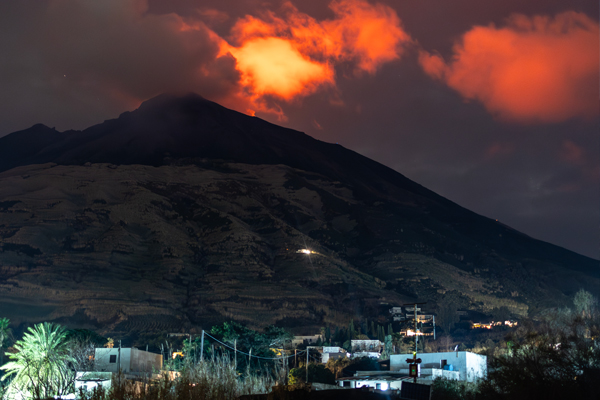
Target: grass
212,379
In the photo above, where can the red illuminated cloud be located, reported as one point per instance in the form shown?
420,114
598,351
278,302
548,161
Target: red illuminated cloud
538,69
294,55
119,51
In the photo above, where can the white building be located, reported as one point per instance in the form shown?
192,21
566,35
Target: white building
90,380
366,348
128,360
380,380
332,353
470,366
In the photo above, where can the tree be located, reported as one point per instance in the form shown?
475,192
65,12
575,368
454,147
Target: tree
450,389
445,343
374,332
447,317
316,373
336,366
4,332
274,336
388,348
40,368
82,346
551,359
361,364
584,302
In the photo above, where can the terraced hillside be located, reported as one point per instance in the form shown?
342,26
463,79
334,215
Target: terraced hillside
183,213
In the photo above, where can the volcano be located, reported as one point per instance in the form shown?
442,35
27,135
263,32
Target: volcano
183,213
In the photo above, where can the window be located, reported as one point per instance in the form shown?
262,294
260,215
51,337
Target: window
113,359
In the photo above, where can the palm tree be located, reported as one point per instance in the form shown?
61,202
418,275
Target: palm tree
4,331
40,368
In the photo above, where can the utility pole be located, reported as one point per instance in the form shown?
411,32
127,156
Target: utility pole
307,353
202,345
414,362
416,332
235,353
119,363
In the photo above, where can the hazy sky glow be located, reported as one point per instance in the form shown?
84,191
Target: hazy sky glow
492,104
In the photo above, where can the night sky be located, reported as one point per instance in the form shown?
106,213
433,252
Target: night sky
492,104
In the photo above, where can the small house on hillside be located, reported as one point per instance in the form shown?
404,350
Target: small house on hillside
307,340
128,360
379,380
459,365
91,380
366,348
332,353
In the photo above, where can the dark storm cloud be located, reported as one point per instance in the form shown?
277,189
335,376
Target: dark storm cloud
541,177
68,62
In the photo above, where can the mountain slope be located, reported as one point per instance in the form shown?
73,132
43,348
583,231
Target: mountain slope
184,213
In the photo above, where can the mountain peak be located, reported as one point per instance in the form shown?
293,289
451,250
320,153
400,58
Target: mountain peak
194,241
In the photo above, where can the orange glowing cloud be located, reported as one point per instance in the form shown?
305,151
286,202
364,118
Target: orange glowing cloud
538,69
294,55
273,66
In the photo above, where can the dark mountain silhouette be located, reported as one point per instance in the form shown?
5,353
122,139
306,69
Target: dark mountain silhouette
183,213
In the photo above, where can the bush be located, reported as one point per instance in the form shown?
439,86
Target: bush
447,389
317,373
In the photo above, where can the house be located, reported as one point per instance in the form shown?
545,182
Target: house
396,310
366,348
380,380
460,365
128,360
332,353
307,340
90,380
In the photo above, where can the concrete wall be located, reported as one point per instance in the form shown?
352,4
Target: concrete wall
132,360
470,365
102,359
144,361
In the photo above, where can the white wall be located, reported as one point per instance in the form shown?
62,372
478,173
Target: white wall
132,360
470,365
476,366
102,359
385,385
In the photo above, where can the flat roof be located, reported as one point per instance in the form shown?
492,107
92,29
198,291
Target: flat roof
381,377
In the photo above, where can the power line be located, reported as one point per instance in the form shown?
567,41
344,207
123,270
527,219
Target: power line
247,354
